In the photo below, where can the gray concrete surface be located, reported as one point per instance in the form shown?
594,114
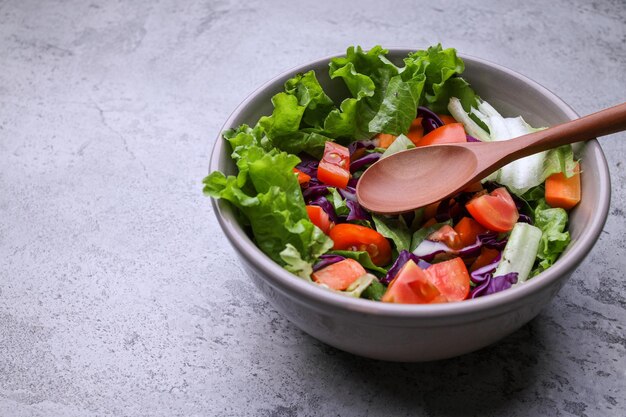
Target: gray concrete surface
120,296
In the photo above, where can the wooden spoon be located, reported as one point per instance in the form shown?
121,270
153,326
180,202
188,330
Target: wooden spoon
417,177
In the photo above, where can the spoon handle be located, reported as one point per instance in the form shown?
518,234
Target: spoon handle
604,122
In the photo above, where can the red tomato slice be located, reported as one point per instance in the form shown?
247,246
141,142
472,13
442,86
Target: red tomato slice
302,177
451,279
495,211
334,168
451,133
353,237
447,235
412,285
319,218
339,275
447,120
468,230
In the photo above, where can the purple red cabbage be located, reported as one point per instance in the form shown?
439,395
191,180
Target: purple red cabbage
429,249
472,139
308,165
313,192
360,144
327,207
357,212
364,161
403,257
326,260
430,120
352,182
443,210
493,284
485,283
348,193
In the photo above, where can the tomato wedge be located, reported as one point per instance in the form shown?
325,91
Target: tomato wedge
302,177
334,168
450,133
353,237
319,218
339,275
468,230
412,285
451,279
495,211
447,235
447,120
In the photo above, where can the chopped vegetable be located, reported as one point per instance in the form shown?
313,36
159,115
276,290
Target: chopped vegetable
468,230
562,191
318,216
385,140
520,252
412,285
353,237
495,211
334,168
339,275
450,133
451,279
303,178
401,143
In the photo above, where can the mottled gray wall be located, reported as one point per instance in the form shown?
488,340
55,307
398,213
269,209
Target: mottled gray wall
120,296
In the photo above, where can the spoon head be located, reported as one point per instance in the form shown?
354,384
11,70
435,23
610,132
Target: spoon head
415,178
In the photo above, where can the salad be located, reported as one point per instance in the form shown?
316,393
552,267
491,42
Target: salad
298,168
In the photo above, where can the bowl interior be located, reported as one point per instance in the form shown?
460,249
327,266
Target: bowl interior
512,95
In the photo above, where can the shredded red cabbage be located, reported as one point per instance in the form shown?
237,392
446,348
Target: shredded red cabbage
472,139
349,193
492,285
360,144
430,120
326,260
357,212
364,161
312,192
352,182
487,284
308,165
428,249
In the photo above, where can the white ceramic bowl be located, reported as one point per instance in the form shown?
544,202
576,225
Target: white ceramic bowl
397,332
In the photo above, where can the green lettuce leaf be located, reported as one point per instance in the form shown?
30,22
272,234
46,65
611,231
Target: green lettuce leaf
283,127
441,68
394,228
311,96
558,160
554,238
274,208
375,291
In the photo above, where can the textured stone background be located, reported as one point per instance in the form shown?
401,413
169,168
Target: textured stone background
120,296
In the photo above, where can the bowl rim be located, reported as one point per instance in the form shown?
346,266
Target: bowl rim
320,297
